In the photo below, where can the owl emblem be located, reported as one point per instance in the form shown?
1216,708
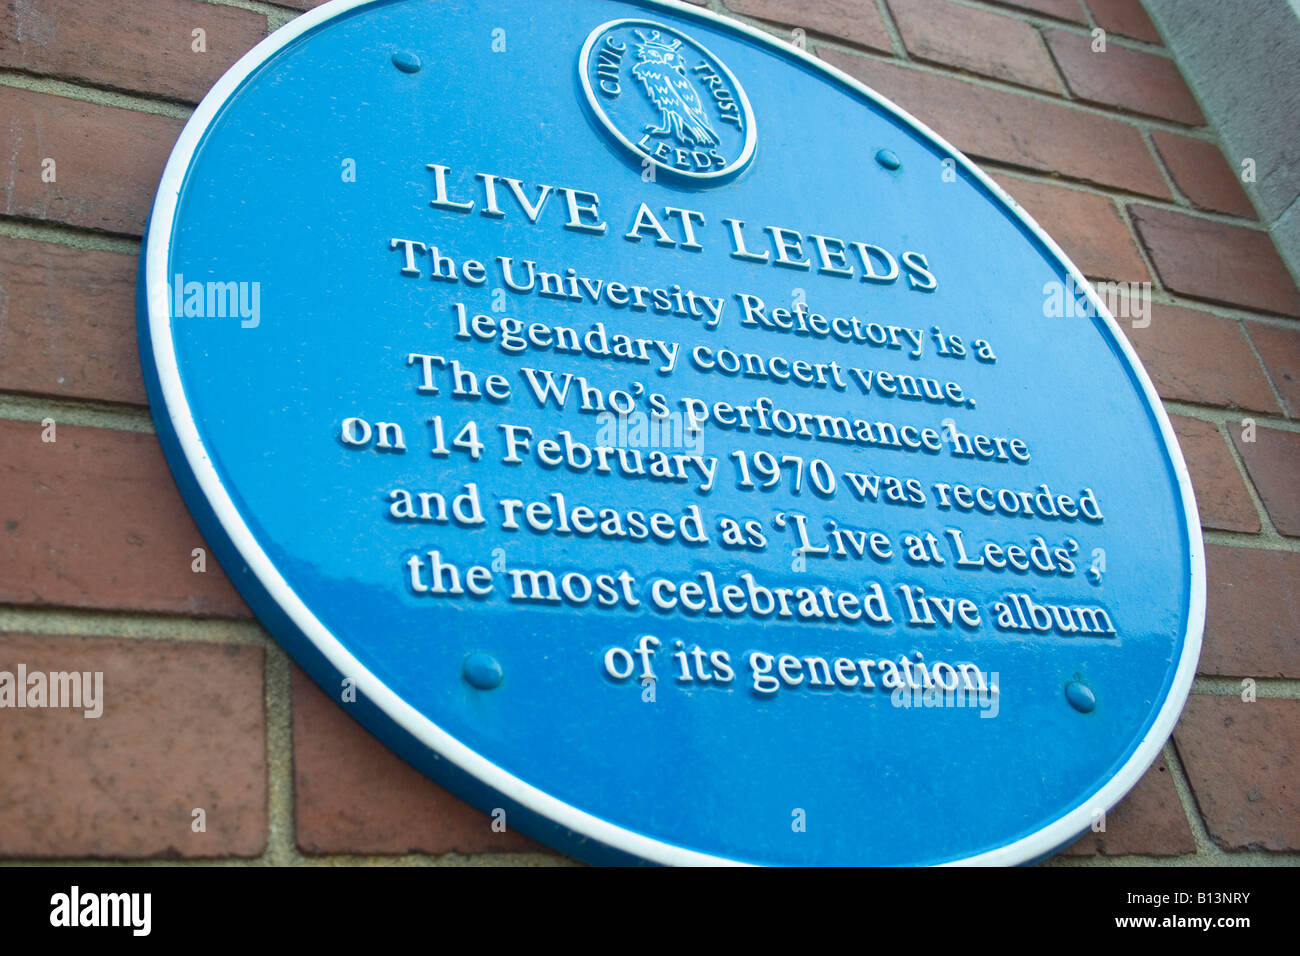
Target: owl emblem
662,71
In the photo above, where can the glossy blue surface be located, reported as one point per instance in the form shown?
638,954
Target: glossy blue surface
718,770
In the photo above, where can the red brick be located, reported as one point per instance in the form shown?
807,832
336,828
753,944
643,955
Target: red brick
1216,261
1125,17
1280,350
183,727
1061,9
107,161
1253,615
1221,496
1149,821
852,21
1013,128
354,795
1203,175
143,45
1000,46
1087,226
1273,463
1193,356
1130,79
67,322
94,520
1242,762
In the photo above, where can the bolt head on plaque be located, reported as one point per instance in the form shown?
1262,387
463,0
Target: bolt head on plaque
483,671
1080,696
406,62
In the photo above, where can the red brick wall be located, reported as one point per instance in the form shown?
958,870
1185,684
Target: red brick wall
1109,151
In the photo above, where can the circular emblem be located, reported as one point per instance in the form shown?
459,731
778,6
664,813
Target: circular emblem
667,99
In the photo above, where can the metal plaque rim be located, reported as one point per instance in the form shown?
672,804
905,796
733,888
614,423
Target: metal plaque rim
175,413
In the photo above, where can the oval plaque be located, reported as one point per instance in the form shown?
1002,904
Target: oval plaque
651,433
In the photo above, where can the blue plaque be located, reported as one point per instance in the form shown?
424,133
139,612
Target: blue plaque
659,438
